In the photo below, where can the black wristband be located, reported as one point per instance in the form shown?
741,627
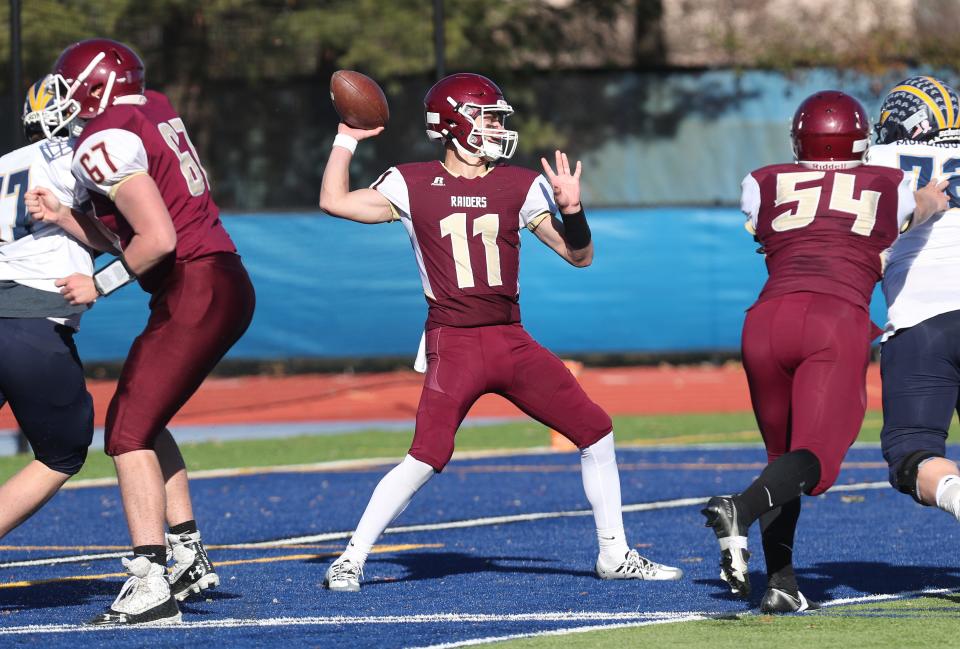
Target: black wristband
576,232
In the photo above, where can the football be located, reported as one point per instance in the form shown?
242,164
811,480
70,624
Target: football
359,100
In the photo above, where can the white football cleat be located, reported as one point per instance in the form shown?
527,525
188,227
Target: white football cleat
635,566
343,575
145,597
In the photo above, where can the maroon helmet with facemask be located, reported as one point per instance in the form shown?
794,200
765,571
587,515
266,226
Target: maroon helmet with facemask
457,109
830,131
91,74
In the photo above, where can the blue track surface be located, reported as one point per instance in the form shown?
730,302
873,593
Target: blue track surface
476,581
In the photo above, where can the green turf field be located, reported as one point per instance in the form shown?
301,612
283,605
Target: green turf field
925,622
662,429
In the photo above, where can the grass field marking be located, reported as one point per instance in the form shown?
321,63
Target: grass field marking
404,547
485,521
744,435
426,618
639,466
373,463
859,486
865,599
315,467
80,558
365,465
88,548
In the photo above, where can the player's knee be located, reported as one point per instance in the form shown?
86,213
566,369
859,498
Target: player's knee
69,462
437,458
129,441
593,427
820,467
903,474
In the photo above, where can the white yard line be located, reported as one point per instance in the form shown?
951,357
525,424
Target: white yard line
616,620
336,620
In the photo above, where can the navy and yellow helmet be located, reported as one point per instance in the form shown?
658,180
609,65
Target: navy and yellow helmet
36,111
919,109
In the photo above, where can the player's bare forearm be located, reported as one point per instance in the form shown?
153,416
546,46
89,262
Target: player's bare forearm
336,199
91,234
551,232
154,236
69,222
581,257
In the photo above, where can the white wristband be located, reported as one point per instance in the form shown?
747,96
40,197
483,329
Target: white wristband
347,142
111,277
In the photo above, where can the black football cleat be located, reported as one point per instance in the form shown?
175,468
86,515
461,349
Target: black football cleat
721,515
782,601
192,572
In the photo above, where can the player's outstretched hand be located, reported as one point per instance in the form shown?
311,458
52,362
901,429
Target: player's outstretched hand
78,289
930,200
566,185
43,205
358,133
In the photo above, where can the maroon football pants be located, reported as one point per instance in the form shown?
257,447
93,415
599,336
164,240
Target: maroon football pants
465,363
203,309
806,357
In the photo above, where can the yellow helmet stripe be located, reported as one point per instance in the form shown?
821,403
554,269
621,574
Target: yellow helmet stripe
916,92
946,99
39,97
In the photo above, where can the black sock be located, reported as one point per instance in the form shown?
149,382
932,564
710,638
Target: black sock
783,480
187,527
156,553
777,528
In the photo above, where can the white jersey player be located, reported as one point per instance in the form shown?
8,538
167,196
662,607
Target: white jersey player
40,372
922,274
919,132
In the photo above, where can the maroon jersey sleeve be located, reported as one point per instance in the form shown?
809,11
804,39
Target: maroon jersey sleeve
147,136
825,231
466,236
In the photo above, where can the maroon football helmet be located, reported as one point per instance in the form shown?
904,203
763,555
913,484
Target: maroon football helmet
830,131
91,74
461,107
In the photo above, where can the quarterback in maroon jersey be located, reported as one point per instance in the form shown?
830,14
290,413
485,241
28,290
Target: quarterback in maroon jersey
152,198
464,215
824,223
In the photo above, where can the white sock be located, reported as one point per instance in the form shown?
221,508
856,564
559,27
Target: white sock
388,501
601,482
948,495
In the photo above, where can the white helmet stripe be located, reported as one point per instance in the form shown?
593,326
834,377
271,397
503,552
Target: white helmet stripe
105,97
86,72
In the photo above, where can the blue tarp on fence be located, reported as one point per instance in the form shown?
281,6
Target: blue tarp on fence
663,280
